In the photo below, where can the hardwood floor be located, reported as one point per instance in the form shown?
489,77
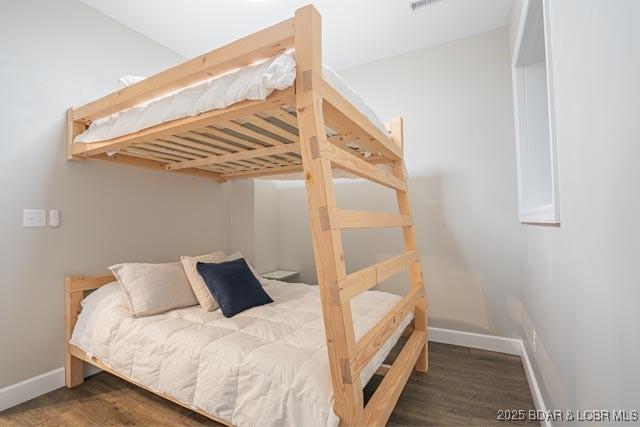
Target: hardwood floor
463,387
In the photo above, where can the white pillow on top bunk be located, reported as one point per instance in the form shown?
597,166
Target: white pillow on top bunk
204,297
154,288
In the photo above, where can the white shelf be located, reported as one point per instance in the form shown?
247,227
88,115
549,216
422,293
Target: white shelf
283,275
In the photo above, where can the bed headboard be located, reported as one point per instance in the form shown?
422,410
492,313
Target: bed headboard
74,290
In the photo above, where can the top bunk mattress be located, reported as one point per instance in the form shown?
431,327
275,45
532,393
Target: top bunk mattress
266,366
253,82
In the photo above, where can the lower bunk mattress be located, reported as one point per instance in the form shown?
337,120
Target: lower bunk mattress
266,366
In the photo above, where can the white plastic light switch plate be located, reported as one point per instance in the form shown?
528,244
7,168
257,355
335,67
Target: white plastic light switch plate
33,218
54,217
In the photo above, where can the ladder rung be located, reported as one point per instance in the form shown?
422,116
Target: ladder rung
356,283
381,404
348,162
332,218
370,343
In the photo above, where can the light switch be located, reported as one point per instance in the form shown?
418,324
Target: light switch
33,218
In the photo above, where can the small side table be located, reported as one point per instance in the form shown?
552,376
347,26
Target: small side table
282,275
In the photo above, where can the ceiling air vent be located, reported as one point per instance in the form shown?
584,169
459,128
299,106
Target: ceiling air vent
419,4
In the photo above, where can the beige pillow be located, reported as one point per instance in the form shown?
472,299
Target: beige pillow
238,255
204,297
154,288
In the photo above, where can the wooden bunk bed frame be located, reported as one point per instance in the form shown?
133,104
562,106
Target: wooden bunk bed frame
286,133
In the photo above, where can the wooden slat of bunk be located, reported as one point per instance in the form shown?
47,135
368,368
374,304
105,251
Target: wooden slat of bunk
205,137
270,127
259,45
337,105
362,280
209,151
241,155
158,154
201,151
218,135
284,116
345,136
205,148
186,124
166,158
200,154
277,170
250,133
383,369
183,156
201,136
129,159
146,155
371,342
344,141
333,218
349,162
162,149
247,141
186,148
383,401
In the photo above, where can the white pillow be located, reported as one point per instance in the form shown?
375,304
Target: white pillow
154,288
203,295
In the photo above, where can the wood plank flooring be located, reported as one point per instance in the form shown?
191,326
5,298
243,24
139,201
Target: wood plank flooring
463,387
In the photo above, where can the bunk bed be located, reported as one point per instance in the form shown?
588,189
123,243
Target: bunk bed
303,125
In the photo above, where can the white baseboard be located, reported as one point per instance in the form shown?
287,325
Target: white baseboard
37,386
494,343
538,400
474,340
30,388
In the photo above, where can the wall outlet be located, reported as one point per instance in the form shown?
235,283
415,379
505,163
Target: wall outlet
33,218
533,344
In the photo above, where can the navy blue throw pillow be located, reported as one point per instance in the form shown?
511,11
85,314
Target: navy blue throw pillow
233,285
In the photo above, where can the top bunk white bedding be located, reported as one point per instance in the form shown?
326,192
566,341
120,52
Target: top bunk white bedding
254,82
266,366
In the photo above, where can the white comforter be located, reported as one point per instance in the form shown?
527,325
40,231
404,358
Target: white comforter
267,366
256,81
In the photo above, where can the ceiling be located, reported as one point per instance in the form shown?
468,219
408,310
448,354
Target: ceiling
354,31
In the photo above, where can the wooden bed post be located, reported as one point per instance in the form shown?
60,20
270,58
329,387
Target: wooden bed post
74,289
327,243
73,367
73,129
409,236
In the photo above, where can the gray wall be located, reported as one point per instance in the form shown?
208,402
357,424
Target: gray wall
54,55
460,155
580,280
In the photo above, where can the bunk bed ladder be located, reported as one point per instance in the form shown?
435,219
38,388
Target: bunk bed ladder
347,357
